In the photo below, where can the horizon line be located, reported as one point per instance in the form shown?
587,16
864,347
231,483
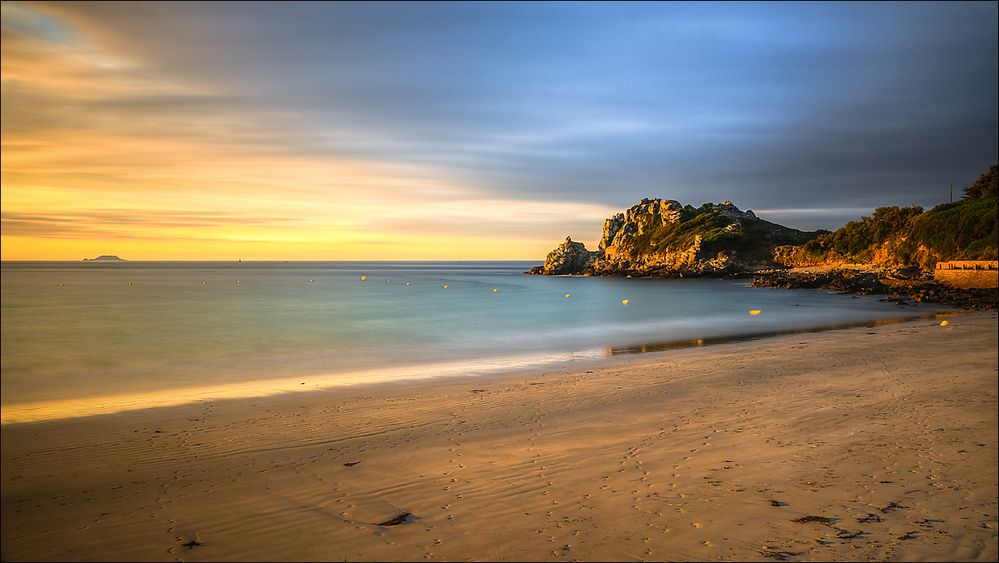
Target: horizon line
239,261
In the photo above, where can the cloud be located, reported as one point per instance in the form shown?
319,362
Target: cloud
126,223
329,112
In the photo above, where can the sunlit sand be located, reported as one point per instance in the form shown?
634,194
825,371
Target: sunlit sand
864,443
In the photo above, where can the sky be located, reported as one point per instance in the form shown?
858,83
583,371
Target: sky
353,131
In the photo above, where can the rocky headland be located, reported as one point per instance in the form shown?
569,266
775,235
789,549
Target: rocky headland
662,238
892,253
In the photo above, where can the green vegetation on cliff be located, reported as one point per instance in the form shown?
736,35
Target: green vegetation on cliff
858,241
710,230
963,230
661,237
709,224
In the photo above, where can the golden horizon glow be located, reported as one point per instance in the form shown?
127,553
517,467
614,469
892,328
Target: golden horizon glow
103,154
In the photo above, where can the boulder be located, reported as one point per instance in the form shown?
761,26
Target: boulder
569,258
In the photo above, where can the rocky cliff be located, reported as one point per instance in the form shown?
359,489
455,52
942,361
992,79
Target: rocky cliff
664,238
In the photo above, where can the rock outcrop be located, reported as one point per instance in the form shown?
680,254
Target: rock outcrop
905,286
568,258
661,237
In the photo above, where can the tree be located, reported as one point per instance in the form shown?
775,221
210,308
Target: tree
984,186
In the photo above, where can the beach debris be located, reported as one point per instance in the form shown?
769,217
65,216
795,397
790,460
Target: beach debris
204,283
311,280
892,507
944,323
847,534
401,518
869,518
820,519
351,463
445,286
407,283
364,278
754,312
625,301
237,281
777,554
777,503
196,542
388,281
495,290
909,536
821,541
568,295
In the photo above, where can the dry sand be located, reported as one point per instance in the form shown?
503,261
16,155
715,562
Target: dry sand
699,454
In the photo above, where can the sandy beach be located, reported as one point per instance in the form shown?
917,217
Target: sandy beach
872,443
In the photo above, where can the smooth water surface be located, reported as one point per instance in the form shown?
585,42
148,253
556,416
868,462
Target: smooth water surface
79,330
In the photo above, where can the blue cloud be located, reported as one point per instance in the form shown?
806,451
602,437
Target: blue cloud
774,105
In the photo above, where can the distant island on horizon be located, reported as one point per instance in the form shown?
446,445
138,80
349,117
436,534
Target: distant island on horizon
105,258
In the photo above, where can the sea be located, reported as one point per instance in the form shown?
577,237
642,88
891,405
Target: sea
86,338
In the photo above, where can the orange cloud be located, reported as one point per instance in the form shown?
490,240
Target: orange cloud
105,153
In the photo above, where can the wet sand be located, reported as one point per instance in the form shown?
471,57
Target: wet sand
857,444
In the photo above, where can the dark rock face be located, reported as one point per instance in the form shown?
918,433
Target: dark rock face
906,286
567,258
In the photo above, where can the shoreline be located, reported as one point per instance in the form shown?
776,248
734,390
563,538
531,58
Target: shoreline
900,285
494,367
887,433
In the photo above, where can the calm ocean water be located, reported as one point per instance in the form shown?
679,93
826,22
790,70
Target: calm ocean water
74,330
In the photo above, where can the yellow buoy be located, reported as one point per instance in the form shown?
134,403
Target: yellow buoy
495,290
364,278
944,323
625,301
568,295
754,312
445,286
